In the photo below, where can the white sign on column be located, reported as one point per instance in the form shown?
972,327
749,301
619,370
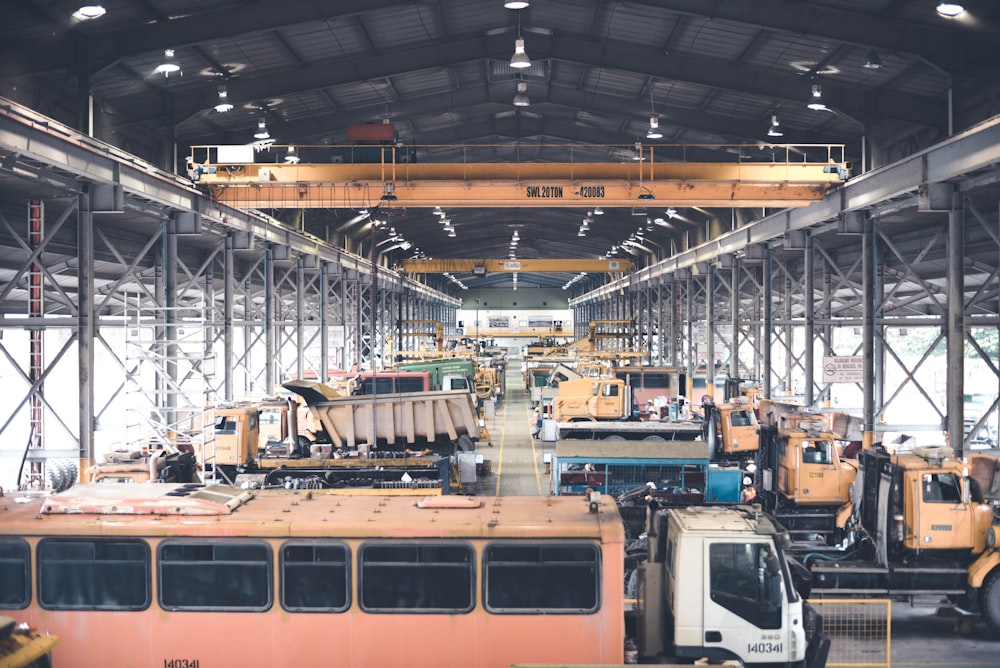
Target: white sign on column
844,369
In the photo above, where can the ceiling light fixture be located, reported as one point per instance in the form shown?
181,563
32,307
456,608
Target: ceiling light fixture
654,128
873,62
292,158
224,104
520,59
438,211
816,99
451,232
638,156
950,10
521,98
89,12
261,132
169,64
515,4
775,128
598,211
654,120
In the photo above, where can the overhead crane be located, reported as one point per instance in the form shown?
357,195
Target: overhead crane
528,266
784,182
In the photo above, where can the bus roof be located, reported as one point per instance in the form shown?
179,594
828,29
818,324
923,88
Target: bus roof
159,509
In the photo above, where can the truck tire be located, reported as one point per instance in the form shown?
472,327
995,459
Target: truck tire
989,602
465,444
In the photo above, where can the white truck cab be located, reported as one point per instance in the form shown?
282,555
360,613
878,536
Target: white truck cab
717,582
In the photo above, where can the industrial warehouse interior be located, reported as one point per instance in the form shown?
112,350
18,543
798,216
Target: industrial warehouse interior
279,281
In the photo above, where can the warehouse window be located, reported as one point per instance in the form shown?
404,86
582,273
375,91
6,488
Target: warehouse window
93,574
521,578
15,574
228,575
315,577
423,577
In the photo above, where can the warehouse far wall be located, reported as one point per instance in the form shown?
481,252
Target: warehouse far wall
515,314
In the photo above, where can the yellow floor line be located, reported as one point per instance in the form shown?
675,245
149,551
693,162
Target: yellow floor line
503,434
534,453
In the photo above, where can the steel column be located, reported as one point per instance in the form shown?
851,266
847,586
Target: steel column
228,305
768,322
869,267
85,330
300,310
734,319
955,341
710,332
269,320
809,300
36,312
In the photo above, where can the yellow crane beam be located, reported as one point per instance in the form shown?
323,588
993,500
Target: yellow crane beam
533,266
569,184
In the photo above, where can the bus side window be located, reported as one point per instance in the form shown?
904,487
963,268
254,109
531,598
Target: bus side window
93,574
422,577
15,574
214,575
542,578
315,576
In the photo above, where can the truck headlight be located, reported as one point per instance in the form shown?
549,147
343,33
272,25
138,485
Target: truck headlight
991,537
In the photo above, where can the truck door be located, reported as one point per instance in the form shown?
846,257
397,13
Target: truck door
738,428
608,401
817,480
744,611
943,521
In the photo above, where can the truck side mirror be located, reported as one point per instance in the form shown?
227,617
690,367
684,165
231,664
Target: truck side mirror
772,564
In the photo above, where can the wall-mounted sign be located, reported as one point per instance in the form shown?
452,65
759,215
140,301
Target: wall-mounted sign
843,369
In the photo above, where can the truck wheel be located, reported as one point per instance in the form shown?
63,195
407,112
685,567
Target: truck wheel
465,443
989,602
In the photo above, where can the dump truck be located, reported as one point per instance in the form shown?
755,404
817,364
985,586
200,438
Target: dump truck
804,481
731,430
806,464
922,527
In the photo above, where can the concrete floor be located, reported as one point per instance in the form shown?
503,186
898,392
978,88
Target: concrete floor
516,457
921,637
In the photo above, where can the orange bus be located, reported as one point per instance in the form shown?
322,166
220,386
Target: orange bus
184,576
